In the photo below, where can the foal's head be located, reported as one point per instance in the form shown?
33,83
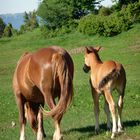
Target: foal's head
88,52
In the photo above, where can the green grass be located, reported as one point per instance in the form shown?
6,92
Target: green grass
78,122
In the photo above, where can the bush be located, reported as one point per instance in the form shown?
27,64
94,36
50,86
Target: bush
132,12
104,11
88,25
104,25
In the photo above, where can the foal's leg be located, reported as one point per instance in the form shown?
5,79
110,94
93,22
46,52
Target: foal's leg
22,121
120,107
106,109
96,108
111,103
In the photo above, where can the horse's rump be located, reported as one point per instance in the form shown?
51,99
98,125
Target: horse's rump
31,68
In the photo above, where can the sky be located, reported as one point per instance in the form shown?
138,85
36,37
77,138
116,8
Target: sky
17,6
20,6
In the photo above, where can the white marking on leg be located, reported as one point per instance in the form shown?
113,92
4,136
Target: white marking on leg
39,134
22,132
112,110
57,134
39,131
114,128
120,106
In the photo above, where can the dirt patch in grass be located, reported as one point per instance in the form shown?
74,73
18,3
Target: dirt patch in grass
77,50
135,48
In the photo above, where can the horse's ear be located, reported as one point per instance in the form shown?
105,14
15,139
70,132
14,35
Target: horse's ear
98,48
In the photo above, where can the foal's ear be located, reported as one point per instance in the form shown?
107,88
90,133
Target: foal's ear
98,48
87,50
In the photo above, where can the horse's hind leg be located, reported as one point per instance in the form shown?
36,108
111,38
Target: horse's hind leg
40,132
35,119
22,120
57,134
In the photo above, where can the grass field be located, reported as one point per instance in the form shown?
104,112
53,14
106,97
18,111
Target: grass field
78,122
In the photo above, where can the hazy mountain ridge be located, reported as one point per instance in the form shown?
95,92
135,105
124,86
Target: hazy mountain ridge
15,19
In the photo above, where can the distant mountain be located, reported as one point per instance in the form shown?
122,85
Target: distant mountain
15,19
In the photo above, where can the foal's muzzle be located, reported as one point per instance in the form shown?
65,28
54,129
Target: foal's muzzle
86,68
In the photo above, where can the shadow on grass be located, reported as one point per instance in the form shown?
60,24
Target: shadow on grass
90,129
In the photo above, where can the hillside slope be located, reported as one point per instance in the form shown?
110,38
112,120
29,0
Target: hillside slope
78,122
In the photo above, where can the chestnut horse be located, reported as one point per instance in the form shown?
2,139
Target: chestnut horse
39,78
105,77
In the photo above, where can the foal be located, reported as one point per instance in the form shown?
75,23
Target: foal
105,77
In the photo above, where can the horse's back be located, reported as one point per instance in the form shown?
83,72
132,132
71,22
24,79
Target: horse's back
33,68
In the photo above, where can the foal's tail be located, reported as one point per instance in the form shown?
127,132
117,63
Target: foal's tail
65,76
115,73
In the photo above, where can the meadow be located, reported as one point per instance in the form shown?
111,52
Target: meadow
78,122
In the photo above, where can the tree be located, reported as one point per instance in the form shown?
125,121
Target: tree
121,3
126,2
2,26
30,22
57,13
8,30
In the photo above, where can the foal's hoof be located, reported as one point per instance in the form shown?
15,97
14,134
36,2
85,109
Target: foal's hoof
58,137
120,131
44,135
114,134
97,131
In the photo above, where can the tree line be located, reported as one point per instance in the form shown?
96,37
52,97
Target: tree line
30,23
86,16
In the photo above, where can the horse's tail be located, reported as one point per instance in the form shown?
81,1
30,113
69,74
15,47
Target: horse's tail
62,72
115,73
